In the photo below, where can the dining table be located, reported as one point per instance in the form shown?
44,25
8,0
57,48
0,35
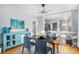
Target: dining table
55,46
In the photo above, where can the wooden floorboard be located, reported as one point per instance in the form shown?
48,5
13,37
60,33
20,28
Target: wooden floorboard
63,48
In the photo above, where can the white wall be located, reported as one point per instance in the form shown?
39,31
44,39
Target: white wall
74,21
78,29
40,26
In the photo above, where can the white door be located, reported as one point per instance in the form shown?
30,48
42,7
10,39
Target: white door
34,28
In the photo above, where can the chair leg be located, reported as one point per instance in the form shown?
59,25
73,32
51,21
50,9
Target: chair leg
51,51
34,52
57,48
22,49
29,51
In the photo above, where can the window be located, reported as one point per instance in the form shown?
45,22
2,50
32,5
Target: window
65,26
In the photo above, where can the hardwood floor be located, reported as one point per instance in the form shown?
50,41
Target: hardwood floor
67,49
63,49
10,51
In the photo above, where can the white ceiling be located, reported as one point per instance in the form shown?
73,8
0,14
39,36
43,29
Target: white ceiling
31,10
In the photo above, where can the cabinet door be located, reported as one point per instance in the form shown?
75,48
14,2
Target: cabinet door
6,37
18,39
13,40
6,41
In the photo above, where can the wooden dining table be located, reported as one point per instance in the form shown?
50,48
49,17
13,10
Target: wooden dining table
55,46
55,43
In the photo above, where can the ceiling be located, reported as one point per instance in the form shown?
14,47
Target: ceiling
31,10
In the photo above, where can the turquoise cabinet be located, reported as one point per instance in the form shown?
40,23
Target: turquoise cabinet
6,41
11,40
18,39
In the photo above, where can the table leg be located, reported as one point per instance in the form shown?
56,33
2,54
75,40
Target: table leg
22,49
53,48
57,48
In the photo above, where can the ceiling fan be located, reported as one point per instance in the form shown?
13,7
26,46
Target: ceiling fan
43,9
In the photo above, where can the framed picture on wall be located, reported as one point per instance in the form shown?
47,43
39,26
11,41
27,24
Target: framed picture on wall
17,24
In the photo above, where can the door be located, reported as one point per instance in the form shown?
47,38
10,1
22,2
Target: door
54,26
34,28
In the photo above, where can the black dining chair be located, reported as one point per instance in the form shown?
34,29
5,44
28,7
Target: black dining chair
41,47
27,44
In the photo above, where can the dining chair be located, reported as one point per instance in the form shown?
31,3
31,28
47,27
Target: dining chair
50,37
27,44
41,47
